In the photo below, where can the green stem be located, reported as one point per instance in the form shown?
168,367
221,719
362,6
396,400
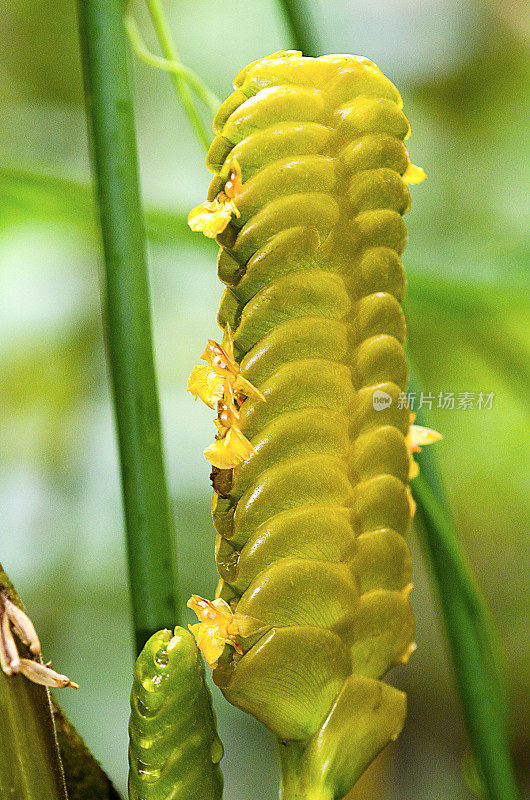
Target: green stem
443,537
293,785
170,53
474,657
301,26
150,540
195,82
476,649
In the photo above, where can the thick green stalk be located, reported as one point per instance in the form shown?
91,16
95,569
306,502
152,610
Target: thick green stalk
475,646
169,51
443,538
292,786
150,538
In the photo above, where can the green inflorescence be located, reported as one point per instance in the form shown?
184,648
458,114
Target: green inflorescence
311,525
174,750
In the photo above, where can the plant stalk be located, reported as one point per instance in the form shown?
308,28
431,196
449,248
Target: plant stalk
127,314
170,53
293,787
301,26
194,81
473,647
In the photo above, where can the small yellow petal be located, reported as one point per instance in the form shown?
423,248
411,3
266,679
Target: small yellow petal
412,502
419,436
219,358
208,610
245,387
414,174
199,215
216,628
414,468
408,652
217,223
231,450
210,218
205,383
209,642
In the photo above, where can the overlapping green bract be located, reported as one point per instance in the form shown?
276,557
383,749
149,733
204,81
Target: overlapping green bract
311,535
174,750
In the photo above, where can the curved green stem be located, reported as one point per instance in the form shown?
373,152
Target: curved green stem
150,540
443,537
170,53
199,87
474,643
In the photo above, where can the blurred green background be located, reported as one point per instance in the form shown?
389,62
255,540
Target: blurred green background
462,69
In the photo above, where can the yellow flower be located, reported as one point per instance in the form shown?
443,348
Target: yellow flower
212,217
230,450
221,383
221,357
221,379
416,438
414,174
205,383
216,628
219,626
